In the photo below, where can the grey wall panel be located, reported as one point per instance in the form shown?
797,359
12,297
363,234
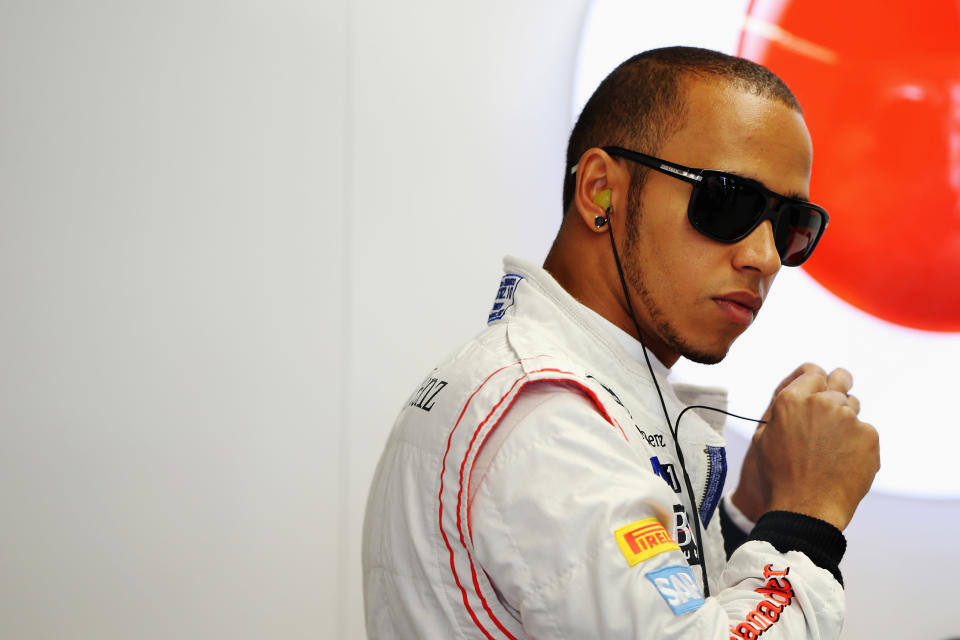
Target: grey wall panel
170,322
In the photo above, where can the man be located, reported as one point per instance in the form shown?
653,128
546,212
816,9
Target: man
542,483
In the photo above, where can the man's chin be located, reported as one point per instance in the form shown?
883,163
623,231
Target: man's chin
704,356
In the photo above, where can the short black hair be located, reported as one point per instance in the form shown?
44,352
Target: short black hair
643,101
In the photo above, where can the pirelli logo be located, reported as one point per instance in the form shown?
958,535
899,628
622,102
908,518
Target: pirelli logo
643,539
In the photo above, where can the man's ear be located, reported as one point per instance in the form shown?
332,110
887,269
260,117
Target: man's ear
601,187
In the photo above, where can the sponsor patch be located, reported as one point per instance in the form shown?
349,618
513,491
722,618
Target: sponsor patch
666,471
643,539
653,439
426,395
716,476
504,299
684,534
776,595
678,587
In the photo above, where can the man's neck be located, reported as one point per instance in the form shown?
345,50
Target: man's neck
598,287
630,344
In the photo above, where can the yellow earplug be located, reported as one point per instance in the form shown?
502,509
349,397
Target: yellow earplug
602,199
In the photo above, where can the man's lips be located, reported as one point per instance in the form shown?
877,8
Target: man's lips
739,306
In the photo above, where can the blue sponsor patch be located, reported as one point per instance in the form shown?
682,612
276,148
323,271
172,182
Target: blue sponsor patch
716,476
678,587
504,299
667,472
658,468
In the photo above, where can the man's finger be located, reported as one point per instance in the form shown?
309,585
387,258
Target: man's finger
842,399
808,383
807,367
840,380
854,403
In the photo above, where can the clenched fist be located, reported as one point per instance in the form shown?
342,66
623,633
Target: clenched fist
814,455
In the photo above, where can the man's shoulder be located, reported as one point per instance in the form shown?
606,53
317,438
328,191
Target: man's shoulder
506,352
511,342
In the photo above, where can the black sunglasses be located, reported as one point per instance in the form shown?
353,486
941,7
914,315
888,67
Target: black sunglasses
727,208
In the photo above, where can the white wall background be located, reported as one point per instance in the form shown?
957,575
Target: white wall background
234,238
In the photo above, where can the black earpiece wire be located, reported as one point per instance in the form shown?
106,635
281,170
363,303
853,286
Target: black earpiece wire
674,428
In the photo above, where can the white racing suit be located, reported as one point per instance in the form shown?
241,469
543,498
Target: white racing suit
580,520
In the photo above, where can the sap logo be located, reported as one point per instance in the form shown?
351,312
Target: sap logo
678,587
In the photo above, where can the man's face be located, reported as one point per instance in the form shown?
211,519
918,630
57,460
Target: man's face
697,293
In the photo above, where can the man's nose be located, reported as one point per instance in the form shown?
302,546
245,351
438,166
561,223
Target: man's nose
758,251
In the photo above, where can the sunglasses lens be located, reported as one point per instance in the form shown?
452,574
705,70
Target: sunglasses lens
797,232
726,208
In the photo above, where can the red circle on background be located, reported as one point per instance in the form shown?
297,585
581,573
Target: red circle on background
880,89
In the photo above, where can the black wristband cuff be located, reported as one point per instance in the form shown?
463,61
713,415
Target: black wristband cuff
820,541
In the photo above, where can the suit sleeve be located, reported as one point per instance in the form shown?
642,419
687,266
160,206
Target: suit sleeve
574,532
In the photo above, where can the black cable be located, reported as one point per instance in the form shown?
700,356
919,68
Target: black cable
636,325
674,430
676,427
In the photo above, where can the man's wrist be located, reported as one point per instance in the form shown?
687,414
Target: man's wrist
751,507
818,509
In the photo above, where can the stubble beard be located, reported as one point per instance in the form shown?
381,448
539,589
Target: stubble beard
637,280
